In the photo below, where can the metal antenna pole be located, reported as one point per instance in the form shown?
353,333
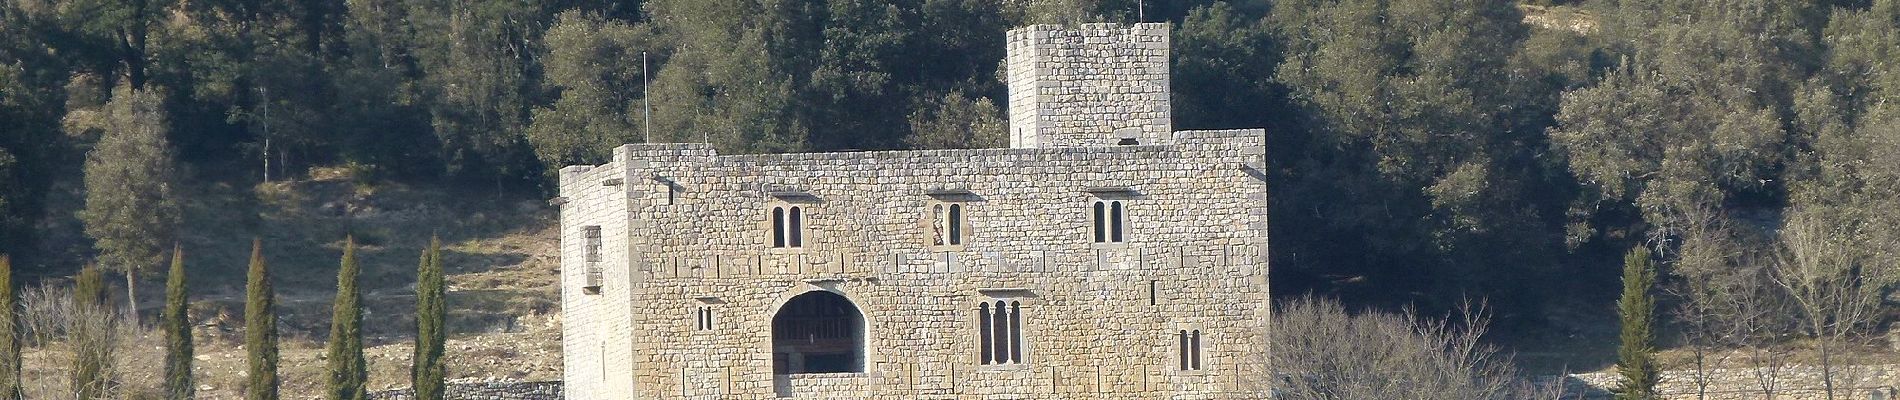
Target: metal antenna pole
646,104
1141,10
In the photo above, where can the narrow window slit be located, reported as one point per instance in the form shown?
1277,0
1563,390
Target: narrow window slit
797,228
1015,332
1197,350
956,224
983,321
778,227
1101,225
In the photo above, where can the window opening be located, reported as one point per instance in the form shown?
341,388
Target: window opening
1000,339
797,231
778,226
983,332
1101,227
704,318
818,332
1015,332
1108,221
1197,350
1190,350
1002,333
956,224
1153,291
593,272
937,231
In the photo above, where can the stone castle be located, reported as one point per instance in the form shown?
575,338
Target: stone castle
1103,255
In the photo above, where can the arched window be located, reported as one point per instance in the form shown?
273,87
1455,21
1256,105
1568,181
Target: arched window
999,332
1190,350
1197,350
956,224
983,333
797,227
1101,222
1109,221
1002,332
778,226
818,332
788,227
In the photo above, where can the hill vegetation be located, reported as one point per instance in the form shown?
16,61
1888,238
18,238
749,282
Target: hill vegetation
1422,152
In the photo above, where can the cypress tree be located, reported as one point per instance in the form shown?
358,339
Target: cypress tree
9,335
91,338
260,329
427,373
1635,356
347,369
89,287
177,326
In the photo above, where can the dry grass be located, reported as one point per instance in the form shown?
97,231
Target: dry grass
500,252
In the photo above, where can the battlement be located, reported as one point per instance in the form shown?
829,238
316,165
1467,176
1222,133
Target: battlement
1093,85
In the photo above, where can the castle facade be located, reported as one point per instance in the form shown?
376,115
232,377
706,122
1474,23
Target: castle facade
1103,255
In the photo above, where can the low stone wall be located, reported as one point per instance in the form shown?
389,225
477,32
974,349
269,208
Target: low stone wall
548,390
1788,383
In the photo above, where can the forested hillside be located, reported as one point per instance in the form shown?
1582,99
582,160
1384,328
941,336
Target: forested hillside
1421,151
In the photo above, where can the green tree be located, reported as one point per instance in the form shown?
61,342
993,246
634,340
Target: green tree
594,64
716,87
1223,65
260,329
1416,158
1691,119
348,372
477,73
177,327
427,374
1636,358
10,384
958,121
131,187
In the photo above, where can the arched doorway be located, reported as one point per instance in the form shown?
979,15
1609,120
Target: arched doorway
818,332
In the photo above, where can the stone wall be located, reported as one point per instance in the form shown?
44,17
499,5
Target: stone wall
685,229
1789,383
1079,86
484,391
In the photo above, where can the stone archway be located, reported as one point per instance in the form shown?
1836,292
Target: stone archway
818,332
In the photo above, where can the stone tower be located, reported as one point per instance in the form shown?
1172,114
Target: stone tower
1097,85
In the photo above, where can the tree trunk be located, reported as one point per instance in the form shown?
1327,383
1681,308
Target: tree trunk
131,296
1827,367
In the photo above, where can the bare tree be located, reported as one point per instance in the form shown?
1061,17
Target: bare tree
78,333
1728,304
1838,275
1323,352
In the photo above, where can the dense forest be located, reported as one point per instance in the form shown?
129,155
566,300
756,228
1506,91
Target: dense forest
1422,151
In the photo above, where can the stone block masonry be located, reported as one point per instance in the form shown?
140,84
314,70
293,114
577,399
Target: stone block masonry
1080,267
484,391
1090,86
